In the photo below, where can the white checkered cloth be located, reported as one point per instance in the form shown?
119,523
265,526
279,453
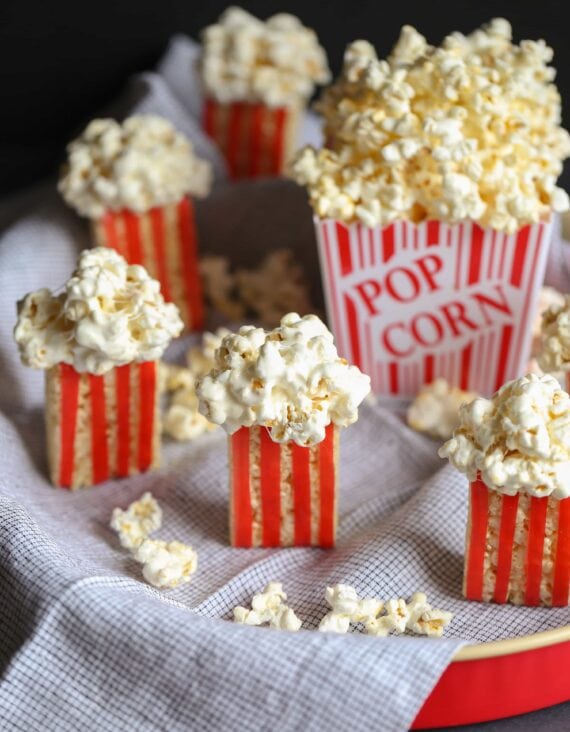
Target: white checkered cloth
86,645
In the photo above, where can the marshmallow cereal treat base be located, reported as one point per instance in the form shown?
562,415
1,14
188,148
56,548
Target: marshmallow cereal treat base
517,548
255,140
100,427
282,494
165,241
409,303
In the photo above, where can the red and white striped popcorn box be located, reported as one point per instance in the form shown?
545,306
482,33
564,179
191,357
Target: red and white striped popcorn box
164,240
100,427
255,140
282,494
517,548
408,303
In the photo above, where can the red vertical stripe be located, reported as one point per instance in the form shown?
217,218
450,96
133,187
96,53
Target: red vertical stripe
69,384
428,369
509,506
209,117
278,146
332,280
233,140
110,233
388,243
147,395
466,355
159,240
189,258
562,561
393,377
432,233
134,253
479,508
327,483
123,395
257,111
521,245
301,494
352,320
476,254
503,355
535,544
345,256
458,282
99,446
270,489
241,496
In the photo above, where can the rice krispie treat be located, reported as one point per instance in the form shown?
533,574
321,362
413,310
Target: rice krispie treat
282,396
99,342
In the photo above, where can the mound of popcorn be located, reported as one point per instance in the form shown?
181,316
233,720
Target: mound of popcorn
277,62
469,130
182,420
435,410
137,521
289,379
110,314
269,607
518,441
382,617
137,165
555,337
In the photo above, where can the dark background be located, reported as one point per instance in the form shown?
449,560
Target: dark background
62,60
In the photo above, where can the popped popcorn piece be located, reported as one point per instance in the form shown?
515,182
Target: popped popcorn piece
202,359
347,607
166,564
137,521
467,131
111,313
219,287
518,441
431,623
343,599
289,379
380,627
269,607
398,613
548,298
435,410
277,62
335,623
555,337
139,164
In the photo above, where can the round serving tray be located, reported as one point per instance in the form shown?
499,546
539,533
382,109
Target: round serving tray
500,679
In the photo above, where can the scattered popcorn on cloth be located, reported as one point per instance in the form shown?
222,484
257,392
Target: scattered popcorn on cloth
269,607
381,618
435,410
134,524
277,62
469,130
277,286
166,564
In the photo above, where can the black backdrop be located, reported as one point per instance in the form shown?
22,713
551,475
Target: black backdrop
61,60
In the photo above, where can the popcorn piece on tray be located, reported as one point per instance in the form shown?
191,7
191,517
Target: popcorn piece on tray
140,519
257,77
134,181
166,564
281,395
99,342
515,450
435,410
269,607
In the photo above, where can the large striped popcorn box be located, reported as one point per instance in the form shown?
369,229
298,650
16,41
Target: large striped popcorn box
100,427
408,303
164,241
517,548
255,140
282,494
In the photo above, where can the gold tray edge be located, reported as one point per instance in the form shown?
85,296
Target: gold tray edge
513,645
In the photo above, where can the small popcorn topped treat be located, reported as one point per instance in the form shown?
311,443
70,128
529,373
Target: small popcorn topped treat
257,77
515,450
282,395
433,202
435,410
134,180
99,342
